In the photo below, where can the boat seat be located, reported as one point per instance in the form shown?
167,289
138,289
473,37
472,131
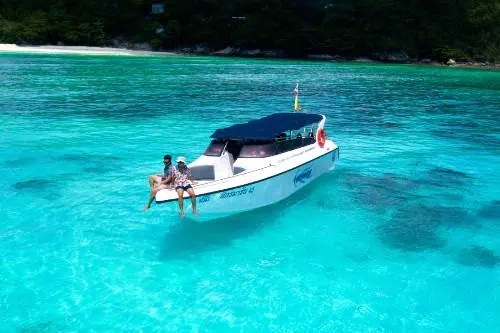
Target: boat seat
203,172
238,170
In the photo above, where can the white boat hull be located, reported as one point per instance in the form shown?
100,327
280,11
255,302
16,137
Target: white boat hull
258,188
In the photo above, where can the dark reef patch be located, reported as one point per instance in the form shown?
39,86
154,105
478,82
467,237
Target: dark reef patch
473,139
71,157
43,327
486,140
414,227
462,124
448,172
411,229
445,177
98,169
89,157
450,196
490,211
74,157
447,134
387,124
92,163
18,162
380,197
390,180
34,185
381,191
479,256
387,181
450,216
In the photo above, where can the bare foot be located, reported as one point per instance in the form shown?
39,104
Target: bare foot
195,212
182,214
146,208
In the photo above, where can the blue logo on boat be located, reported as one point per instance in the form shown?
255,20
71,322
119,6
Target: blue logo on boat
302,176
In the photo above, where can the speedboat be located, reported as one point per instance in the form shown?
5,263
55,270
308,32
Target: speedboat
258,163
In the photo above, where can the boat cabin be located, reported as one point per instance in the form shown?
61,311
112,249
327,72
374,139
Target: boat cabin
246,146
261,148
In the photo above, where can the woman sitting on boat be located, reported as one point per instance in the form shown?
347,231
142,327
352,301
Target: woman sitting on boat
182,181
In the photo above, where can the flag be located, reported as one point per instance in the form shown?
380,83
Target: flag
296,105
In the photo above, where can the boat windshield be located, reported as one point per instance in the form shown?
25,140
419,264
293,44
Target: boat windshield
282,143
215,148
258,150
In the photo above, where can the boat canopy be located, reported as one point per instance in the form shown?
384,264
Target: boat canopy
267,128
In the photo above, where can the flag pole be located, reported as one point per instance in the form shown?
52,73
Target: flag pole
296,105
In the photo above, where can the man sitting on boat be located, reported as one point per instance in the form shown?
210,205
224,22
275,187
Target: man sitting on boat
161,181
160,178
183,180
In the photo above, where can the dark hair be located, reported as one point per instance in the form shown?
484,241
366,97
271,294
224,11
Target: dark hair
167,157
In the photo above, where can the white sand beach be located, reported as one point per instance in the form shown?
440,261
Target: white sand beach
86,50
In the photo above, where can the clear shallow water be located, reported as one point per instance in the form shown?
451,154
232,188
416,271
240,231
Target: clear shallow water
402,237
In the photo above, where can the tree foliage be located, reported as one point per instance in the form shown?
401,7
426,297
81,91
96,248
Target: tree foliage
438,29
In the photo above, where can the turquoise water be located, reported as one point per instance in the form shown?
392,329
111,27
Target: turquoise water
402,237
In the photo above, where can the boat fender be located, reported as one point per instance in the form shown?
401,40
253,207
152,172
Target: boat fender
321,137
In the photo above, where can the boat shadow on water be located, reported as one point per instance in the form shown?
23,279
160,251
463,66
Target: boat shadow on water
188,238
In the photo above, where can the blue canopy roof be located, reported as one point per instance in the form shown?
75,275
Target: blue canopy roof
268,127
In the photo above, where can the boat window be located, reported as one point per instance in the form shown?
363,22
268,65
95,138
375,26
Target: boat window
258,150
298,141
234,148
215,148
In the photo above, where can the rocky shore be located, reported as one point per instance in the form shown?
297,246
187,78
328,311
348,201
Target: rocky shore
384,57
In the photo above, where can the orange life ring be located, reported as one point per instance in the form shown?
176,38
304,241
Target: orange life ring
321,137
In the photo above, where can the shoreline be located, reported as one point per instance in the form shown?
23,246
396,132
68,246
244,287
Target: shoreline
228,53
84,50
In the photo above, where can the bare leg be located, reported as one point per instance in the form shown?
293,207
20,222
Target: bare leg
180,193
154,179
151,198
193,200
